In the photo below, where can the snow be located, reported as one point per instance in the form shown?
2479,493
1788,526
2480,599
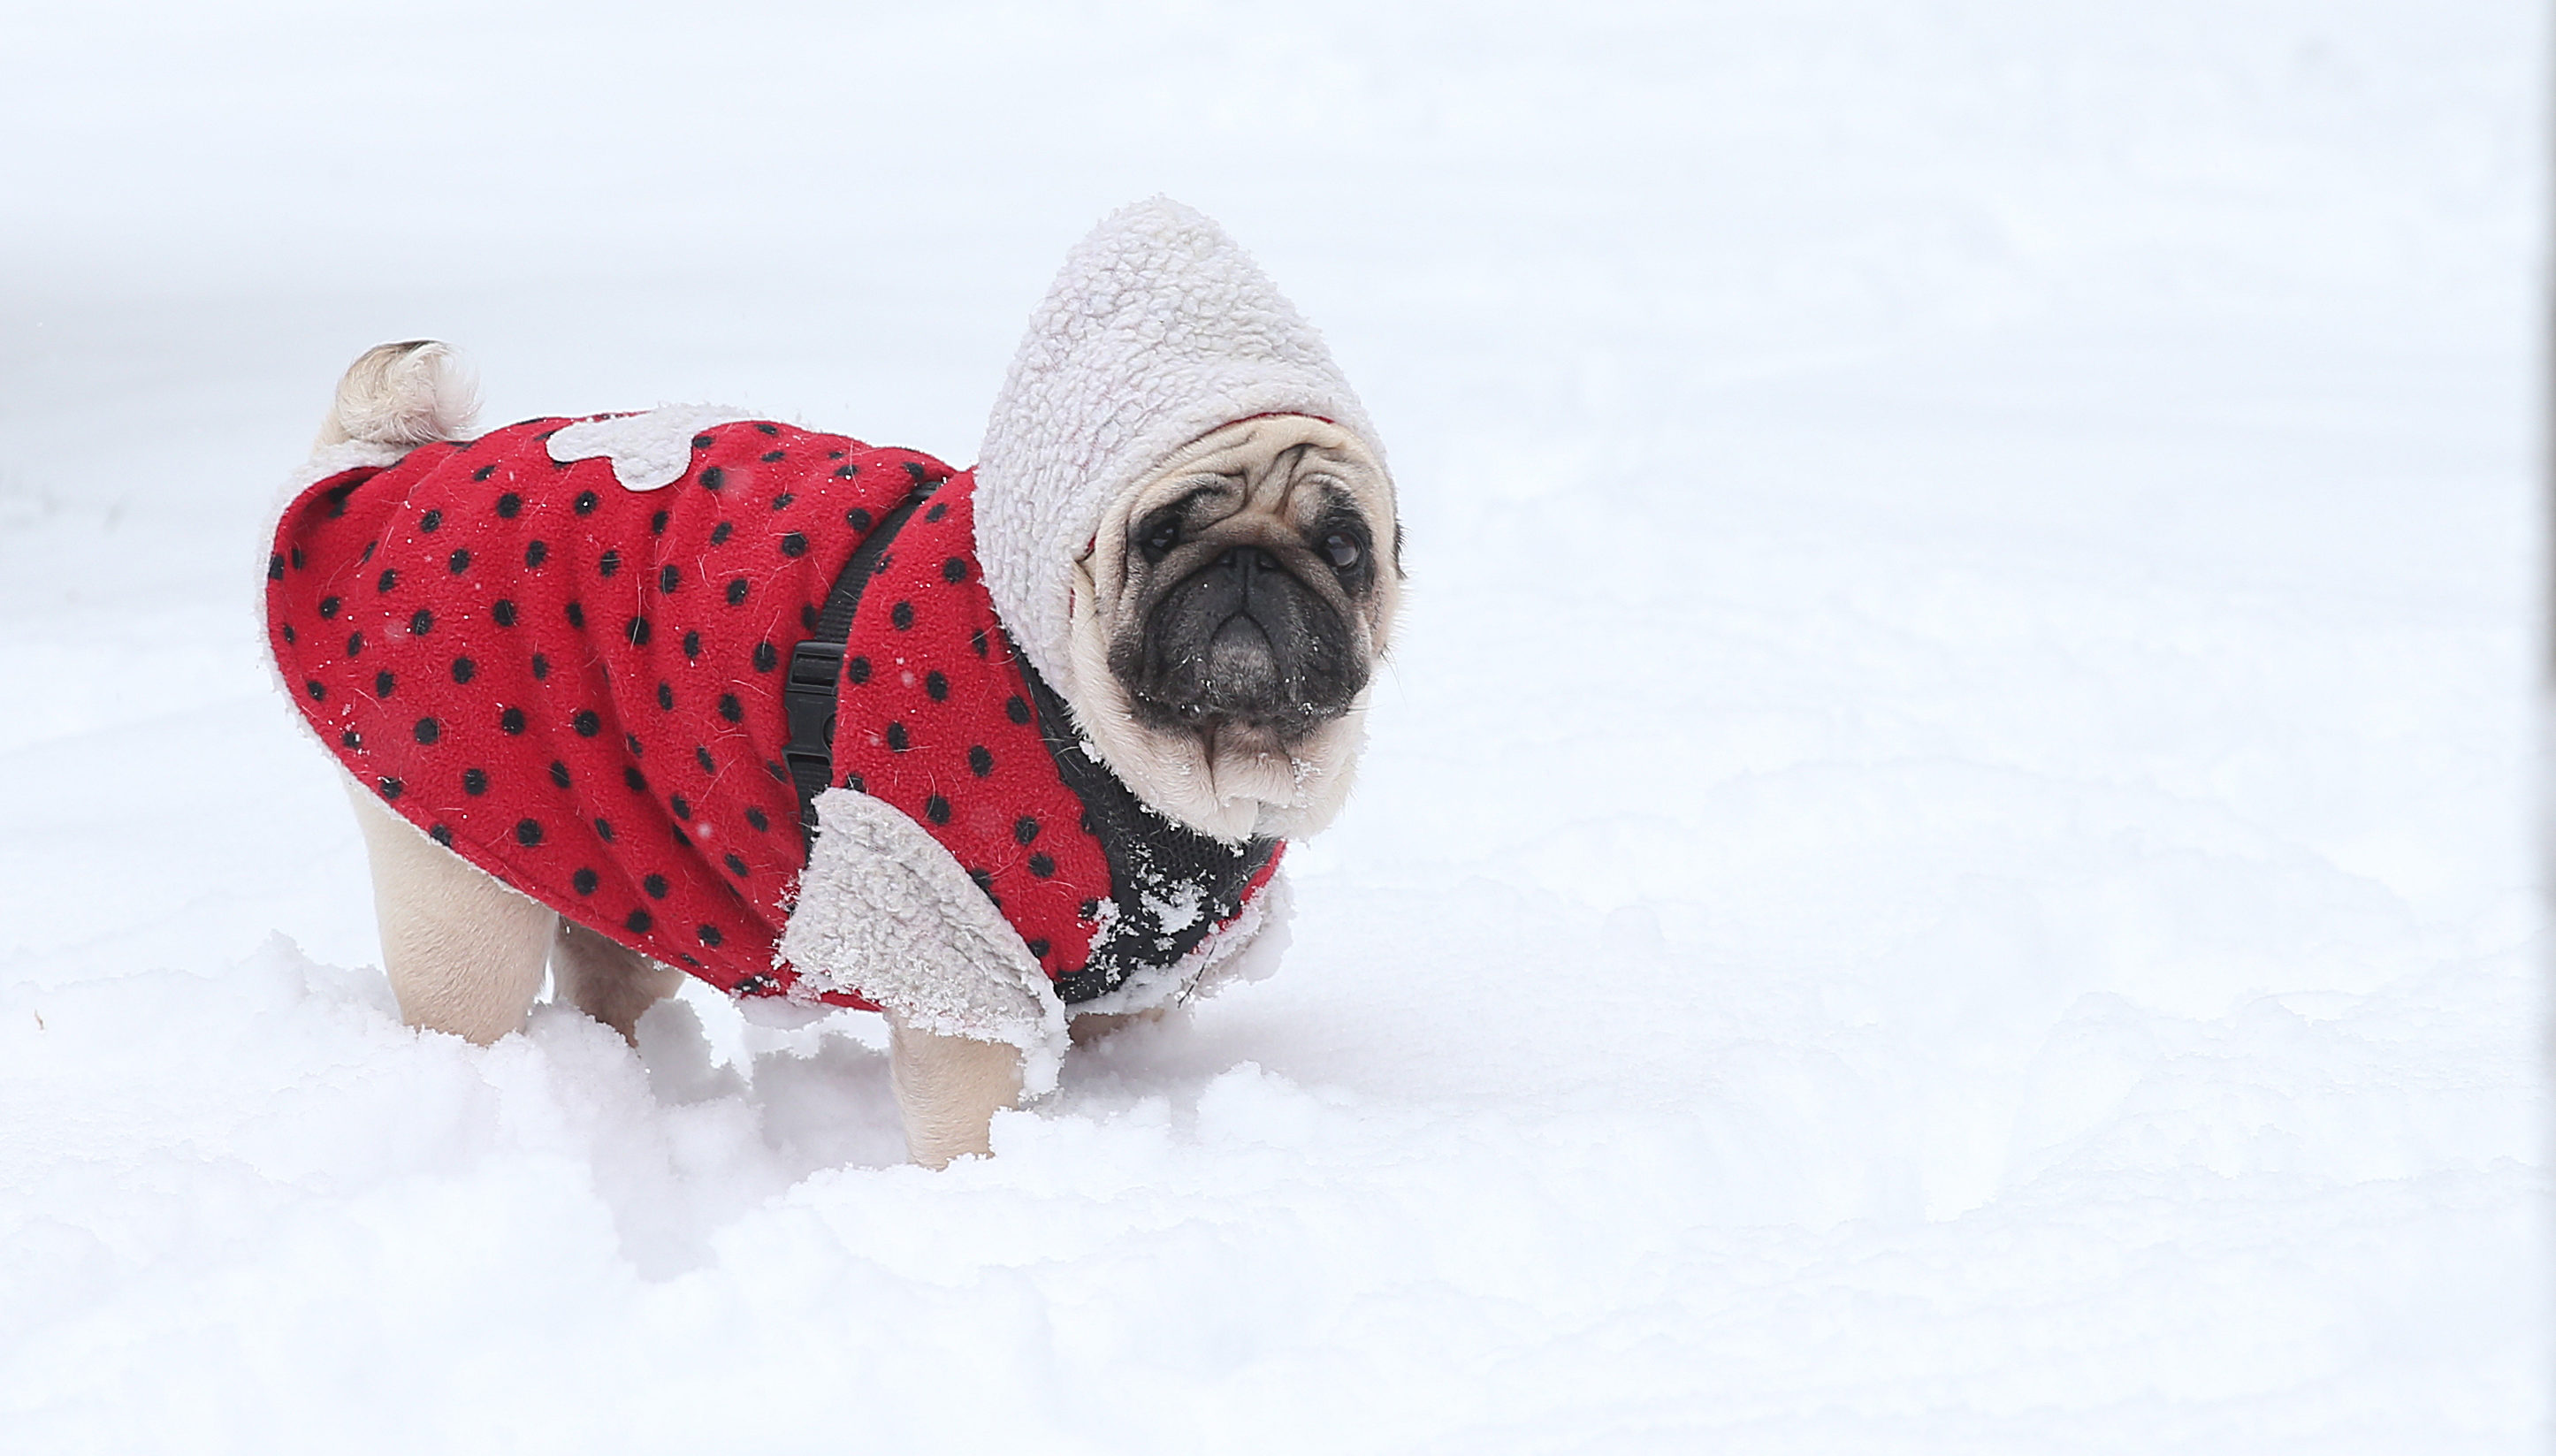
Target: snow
1945,864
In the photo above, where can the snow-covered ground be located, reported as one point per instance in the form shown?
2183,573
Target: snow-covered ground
1945,867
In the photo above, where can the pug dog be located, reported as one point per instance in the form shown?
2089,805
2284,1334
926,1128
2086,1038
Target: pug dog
1009,753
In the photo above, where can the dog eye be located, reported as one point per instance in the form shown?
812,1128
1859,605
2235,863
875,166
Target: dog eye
1341,550
1158,544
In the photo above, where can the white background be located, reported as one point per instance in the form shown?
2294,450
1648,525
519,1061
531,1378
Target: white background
1945,864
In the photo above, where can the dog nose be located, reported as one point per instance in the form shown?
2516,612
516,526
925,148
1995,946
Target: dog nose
1247,562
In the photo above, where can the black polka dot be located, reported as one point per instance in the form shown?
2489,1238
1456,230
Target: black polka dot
422,623
939,510
541,667
977,641
639,631
483,472
297,559
559,772
856,670
756,817
666,696
735,866
980,761
794,544
317,692
576,616
984,880
585,881
328,608
730,709
1090,909
807,615
631,775
714,478
392,787
767,428
721,532
700,442
655,884
535,553
458,562
428,730
1042,865
1017,708
902,615
463,670
669,576
608,564
430,522
936,686
681,806
586,723
511,720
785,500
896,739
585,502
710,936
856,783
766,656
1039,948
528,832
638,921
274,566
855,518
502,612
702,756
937,810
772,456
1025,830
657,523
954,569
692,645
337,498
474,782
736,592
630,741
351,739
289,635
440,834
355,644
509,504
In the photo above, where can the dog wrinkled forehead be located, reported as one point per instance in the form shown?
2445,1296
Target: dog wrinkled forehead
1158,330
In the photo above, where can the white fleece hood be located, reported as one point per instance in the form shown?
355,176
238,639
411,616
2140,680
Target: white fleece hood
1158,330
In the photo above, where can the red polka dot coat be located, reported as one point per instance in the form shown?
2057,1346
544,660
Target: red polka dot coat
576,687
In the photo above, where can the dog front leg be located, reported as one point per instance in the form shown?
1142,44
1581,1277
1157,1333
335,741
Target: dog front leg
949,1089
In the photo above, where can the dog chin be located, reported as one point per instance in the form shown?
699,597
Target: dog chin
1228,780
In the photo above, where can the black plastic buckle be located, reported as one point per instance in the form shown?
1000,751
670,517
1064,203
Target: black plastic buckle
808,702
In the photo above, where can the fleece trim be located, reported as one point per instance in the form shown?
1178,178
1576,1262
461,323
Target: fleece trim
1158,330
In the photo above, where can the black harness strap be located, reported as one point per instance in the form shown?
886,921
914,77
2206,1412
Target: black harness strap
817,666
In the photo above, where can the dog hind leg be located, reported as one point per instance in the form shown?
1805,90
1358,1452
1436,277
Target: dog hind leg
463,953
607,980
948,1088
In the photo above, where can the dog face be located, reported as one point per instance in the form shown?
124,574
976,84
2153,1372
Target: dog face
1229,618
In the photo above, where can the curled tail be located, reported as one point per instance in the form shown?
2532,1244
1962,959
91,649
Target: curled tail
404,394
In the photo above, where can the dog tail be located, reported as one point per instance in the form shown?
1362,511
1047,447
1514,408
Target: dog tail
404,394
